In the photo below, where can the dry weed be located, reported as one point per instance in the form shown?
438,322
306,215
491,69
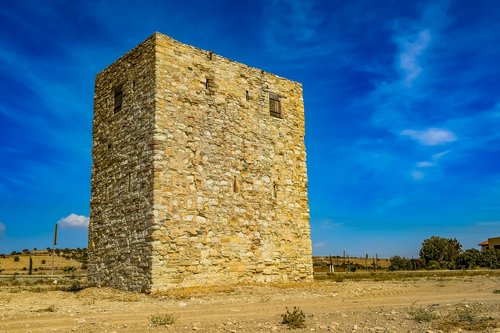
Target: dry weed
161,319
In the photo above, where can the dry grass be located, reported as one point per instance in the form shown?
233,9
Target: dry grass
9,266
189,292
92,294
423,314
16,284
403,275
470,317
50,308
161,319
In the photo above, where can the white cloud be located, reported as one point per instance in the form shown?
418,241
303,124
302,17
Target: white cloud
431,136
425,164
408,58
417,175
74,221
2,227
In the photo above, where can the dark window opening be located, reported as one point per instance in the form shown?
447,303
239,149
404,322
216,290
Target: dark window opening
274,105
210,55
247,96
207,83
275,191
118,99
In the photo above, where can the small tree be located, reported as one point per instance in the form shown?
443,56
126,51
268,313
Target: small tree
468,259
399,263
440,252
489,259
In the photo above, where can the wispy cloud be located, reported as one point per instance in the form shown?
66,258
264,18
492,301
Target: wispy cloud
2,227
326,222
410,52
488,224
319,245
74,221
417,175
431,136
440,155
295,33
425,164
404,86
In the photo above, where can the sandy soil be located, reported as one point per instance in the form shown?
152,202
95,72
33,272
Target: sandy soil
350,306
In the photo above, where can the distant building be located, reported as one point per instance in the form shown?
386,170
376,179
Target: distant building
490,244
199,172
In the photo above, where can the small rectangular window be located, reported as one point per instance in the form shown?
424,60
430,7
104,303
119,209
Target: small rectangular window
274,105
118,99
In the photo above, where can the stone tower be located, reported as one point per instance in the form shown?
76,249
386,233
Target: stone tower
199,172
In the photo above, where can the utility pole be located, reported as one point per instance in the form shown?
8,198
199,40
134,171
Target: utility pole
54,246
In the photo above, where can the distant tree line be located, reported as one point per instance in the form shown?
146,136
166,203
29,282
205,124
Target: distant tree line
443,253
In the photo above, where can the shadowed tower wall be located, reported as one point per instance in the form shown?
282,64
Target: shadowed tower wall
205,181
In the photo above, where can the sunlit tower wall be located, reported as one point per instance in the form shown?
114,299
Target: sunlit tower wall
199,172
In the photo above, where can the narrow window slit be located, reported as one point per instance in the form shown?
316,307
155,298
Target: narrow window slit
118,99
235,185
247,95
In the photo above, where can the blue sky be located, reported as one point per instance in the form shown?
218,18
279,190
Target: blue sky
402,109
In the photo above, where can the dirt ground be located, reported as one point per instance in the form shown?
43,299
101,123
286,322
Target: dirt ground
429,304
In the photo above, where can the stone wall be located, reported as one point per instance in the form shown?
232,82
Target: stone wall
222,184
121,208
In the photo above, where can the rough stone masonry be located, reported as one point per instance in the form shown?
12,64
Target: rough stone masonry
199,172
